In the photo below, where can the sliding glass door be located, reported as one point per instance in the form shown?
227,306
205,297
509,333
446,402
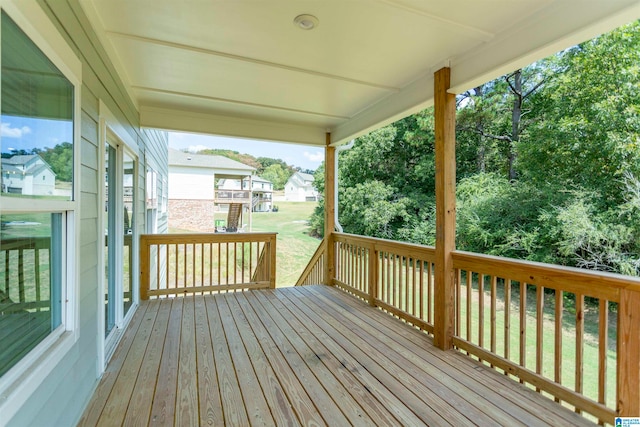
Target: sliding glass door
120,169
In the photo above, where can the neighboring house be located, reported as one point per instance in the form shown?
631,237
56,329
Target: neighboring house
261,191
27,175
262,194
299,188
198,188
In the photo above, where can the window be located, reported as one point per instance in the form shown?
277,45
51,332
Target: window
37,203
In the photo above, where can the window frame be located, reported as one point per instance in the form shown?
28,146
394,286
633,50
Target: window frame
112,132
17,384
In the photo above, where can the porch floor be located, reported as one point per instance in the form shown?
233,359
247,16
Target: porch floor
308,355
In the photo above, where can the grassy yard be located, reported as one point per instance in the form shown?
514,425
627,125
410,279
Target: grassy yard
295,246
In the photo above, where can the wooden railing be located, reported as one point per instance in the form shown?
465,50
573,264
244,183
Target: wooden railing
561,330
397,277
313,274
232,196
572,334
179,264
25,283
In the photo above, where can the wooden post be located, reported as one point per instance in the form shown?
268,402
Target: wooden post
272,261
373,275
145,268
329,209
629,353
445,121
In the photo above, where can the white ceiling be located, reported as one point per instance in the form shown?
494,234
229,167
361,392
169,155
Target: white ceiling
242,68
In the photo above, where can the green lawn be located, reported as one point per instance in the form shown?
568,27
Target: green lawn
294,247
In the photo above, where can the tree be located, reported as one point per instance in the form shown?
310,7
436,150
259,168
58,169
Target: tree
277,175
60,158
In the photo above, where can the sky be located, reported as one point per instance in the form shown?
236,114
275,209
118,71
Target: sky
25,133
304,156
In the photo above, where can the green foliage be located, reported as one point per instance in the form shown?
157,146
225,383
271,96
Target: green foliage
277,175
247,159
60,158
548,164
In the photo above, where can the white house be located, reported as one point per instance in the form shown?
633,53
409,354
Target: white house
27,175
200,186
262,194
299,188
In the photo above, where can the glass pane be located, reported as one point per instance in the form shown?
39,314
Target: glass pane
128,182
36,119
109,239
30,282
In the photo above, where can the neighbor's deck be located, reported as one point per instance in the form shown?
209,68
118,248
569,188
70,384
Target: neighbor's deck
306,355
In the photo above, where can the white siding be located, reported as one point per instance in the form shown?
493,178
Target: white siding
62,397
190,183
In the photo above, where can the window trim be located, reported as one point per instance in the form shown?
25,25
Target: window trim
23,379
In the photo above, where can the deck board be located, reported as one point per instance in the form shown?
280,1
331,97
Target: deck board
310,355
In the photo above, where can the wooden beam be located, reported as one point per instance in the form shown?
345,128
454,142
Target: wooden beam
329,208
445,121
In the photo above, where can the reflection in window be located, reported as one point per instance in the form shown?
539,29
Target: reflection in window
36,120
128,181
30,276
36,150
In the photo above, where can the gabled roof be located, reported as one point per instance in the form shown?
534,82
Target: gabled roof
242,68
305,176
19,160
180,158
301,179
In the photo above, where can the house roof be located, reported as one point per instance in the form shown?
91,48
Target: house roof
301,179
19,159
260,179
180,158
244,69
305,176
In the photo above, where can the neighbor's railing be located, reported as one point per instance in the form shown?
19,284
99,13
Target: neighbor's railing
232,196
572,334
179,264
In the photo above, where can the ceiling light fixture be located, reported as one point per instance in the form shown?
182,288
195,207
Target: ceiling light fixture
306,22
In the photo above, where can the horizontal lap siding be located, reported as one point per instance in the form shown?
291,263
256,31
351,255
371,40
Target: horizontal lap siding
61,398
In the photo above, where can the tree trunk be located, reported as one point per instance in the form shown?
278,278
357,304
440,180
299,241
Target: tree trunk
480,156
516,89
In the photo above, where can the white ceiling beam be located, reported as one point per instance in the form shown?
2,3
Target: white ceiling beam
213,124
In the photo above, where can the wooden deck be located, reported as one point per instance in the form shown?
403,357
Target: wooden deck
307,355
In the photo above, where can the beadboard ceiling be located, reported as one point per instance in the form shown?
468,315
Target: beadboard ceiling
242,68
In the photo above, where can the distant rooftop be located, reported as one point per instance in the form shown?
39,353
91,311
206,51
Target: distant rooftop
180,158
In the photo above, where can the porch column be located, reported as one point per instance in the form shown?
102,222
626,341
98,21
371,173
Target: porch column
445,127
329,208
250,203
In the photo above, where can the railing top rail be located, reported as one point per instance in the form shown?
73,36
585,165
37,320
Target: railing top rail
588,282
400,248
207,237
